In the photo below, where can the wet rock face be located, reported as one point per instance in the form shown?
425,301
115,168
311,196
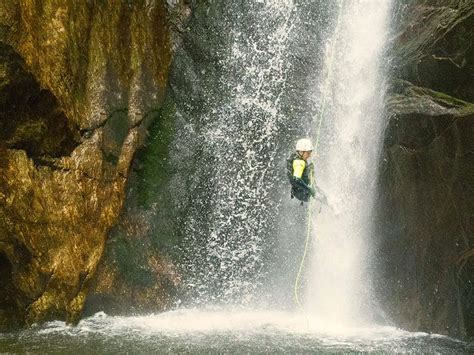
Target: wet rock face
77,83
426,201
433,45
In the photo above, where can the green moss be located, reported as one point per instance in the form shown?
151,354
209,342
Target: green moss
440,97
464,108
405,88
128,254
167,242
129,251
154,171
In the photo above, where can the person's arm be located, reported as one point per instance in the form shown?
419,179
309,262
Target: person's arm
320,195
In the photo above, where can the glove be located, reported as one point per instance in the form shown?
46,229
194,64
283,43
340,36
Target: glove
320,196
312,191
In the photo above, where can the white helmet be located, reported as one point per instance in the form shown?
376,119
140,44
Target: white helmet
304,145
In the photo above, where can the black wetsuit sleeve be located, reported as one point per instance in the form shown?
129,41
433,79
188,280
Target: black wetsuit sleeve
295,181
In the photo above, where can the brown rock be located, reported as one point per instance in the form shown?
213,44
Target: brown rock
76,81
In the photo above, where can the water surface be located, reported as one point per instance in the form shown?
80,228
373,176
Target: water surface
217,331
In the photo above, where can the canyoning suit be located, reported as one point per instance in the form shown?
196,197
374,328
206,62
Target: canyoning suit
300,175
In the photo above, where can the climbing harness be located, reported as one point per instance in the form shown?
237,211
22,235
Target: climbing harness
320,120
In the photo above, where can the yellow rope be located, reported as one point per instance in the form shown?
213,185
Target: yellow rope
308,232
321,116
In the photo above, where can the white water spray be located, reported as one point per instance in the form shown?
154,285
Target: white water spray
239,137
346,166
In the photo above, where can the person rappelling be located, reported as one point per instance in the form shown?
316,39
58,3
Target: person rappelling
300,173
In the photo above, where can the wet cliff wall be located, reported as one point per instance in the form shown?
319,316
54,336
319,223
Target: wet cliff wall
79,83
425,217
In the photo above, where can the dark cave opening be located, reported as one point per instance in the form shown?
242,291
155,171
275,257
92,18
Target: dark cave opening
8,300
30,117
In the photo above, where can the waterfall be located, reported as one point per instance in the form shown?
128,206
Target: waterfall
346,163
230,216
256,96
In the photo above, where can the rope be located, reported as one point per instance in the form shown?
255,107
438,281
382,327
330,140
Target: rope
320,121
308,231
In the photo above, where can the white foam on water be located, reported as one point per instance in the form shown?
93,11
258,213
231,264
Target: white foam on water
186,322
229,330
196,321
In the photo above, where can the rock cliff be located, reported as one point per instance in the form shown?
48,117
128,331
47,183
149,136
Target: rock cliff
79,81
425,221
